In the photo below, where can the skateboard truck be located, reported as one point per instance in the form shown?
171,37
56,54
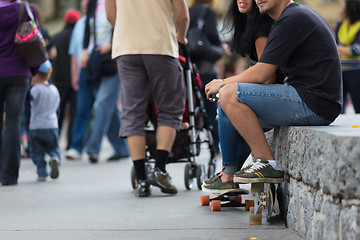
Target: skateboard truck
264,199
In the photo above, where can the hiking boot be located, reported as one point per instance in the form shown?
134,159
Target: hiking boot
54,168
211,180
260,172
162,180
219,187
142,189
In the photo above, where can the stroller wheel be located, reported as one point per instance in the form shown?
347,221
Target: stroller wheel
189,175
200,175
133,177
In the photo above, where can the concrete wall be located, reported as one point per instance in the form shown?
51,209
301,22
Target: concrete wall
321,198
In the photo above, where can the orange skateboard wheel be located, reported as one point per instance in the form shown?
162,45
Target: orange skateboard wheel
238,199
215,205
204,200
249,204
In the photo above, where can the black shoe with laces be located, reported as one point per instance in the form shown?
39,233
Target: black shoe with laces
142,189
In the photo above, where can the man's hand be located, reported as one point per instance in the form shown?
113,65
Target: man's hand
182,20
212,87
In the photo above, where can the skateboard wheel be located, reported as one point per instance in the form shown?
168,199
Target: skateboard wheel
238,199
215,205
248,204
255,219
257,187
204,200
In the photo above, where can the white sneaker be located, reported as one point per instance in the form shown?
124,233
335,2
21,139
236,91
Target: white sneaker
72,154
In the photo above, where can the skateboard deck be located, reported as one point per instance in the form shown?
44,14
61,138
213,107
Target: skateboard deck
231,198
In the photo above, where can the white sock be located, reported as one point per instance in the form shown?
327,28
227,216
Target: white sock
273,163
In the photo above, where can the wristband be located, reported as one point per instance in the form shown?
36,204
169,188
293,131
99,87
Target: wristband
221,82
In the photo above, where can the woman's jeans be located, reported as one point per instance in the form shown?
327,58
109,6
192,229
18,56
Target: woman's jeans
107,118
84,104
275,105
12,98
44,141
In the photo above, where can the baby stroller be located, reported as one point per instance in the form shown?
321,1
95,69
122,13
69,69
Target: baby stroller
194,131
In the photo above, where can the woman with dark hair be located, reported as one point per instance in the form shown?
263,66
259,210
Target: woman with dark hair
348,39
250,31
15,75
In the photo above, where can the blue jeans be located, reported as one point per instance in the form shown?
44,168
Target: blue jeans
107,118
275,105
12,99
84,103
44,141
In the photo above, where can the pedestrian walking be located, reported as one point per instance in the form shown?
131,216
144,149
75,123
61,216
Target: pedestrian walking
44,128
147,54
15,76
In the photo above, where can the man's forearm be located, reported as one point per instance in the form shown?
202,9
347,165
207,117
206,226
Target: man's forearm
182,19
110,8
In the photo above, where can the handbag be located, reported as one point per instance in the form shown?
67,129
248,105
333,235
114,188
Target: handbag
29,40
108,65
93,70
199,45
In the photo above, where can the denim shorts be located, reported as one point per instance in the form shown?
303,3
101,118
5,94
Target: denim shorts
277,105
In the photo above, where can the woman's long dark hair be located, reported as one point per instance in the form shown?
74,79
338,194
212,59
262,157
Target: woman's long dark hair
243,27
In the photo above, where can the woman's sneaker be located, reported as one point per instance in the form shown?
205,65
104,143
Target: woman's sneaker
260,172
211,180
219,187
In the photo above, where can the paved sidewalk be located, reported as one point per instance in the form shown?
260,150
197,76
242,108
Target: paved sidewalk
97,202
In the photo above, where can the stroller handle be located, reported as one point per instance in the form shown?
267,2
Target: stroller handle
185,52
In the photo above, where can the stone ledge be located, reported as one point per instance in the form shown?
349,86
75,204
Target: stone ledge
326,157
321,197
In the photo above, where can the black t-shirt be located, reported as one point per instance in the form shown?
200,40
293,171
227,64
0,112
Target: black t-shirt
262,30
302,44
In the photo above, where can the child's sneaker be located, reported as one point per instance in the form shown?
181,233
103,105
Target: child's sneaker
54,168
260,172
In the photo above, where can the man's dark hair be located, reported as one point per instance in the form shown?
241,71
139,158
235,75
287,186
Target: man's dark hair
243,27
352,10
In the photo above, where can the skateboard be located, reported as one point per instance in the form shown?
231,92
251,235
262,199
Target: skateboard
231,198
265,198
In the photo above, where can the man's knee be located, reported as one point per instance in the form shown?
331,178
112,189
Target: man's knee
227,95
